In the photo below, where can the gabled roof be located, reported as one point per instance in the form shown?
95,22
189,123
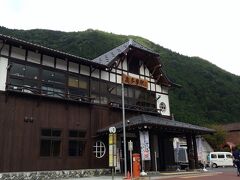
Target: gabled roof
160,122
154,63
108,57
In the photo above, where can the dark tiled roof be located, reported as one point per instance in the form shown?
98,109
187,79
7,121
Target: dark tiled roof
160,122
111,55
17,41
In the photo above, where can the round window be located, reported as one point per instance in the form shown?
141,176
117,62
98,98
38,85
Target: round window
162,107
99,149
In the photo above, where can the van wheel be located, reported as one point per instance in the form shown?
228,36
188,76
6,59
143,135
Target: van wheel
214,165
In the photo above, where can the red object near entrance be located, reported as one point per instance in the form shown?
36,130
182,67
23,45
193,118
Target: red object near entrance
136,165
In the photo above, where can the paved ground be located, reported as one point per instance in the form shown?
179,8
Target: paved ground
227,173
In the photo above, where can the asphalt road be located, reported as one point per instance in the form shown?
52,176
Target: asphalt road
227,173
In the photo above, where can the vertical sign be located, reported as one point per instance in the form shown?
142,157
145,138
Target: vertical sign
112,147
144,143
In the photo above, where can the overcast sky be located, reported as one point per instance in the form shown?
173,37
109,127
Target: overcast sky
206,28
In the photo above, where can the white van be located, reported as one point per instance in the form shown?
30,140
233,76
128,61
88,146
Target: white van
216,159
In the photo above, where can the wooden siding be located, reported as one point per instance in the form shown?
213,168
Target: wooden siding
20,140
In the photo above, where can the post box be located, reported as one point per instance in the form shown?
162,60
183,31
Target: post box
136,165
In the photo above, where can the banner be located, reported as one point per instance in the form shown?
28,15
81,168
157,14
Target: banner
144,143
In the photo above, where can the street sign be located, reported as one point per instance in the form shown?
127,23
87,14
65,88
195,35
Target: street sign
130,145
112,129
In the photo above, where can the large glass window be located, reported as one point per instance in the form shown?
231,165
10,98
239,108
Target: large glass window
95,90
53,84
103,92
78,87
23,78
76,142
53,77
50,144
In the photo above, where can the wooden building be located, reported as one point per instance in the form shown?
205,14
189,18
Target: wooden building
55,108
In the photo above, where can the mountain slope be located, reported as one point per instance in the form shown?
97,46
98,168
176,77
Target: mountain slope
209,94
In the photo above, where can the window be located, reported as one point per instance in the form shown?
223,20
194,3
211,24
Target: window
53,84
76,142
77,86
103,92
53,77
50,144
229,156
95,91
99,149
23,78
220,156
213,156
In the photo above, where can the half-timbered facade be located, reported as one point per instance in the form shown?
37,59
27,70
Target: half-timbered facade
55,108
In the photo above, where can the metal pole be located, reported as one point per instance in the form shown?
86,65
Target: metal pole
124,132
155,154
112,173
131,164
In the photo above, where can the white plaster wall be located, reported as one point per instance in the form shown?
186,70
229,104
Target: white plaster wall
5,49
158,88
149,86
73,67
95,73
142,69
163,98
18,53
48,61
133,75
119,71
119,79
147,72
125,64
85,70
3,73
152,80
153,87
105,75
112,77
61,64
34,57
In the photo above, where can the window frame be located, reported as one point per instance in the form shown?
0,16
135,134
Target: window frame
52,139
80,140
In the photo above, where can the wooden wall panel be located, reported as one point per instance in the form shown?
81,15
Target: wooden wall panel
20,140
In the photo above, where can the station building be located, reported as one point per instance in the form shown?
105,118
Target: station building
56,108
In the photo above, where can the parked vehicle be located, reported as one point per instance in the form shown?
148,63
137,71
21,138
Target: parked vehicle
216,159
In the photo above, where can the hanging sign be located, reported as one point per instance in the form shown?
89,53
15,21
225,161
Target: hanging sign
134,81
145,147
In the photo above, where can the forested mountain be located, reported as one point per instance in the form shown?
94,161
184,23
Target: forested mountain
208,94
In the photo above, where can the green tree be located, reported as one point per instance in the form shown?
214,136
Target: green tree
217,139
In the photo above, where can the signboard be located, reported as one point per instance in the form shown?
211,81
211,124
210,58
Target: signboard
134,81
144,143
112,141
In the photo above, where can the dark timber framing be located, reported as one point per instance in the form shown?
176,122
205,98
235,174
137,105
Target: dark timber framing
55,108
